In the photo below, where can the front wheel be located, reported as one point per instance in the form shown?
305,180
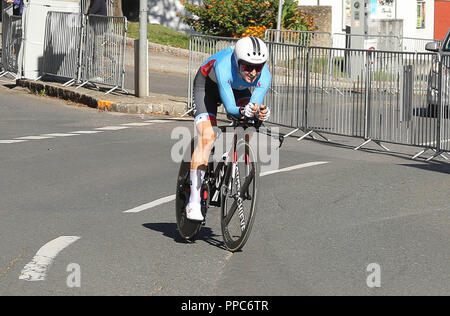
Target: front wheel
239,197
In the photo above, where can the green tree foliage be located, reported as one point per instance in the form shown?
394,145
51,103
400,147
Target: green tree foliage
237,18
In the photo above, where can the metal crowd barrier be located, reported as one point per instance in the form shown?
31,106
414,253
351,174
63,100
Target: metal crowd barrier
380,42
286,96
411,44
380,96
11,42
444,132
303,38
104,51
62,45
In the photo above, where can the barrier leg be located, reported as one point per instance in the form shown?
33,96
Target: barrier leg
187,112
83,84
290,133
382,146
441,153
322,136
306,135
113,89
69,83
437,153
363,144
420,153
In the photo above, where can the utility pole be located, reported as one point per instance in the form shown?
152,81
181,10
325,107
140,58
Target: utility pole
141,53
280,17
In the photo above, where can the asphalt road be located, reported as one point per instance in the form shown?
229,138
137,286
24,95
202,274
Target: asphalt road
364,223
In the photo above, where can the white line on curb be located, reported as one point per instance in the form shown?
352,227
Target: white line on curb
151,204
36,269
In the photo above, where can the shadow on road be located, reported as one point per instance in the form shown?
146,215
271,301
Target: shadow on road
170,230
441,167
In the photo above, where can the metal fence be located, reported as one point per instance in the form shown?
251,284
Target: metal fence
11,42
380,96
62,45
411,44
103,60
444,131
304,38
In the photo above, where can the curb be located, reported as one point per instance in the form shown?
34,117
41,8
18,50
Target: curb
164,104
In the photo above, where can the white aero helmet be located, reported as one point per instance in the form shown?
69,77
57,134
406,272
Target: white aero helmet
251,50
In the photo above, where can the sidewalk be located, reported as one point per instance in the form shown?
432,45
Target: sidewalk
162,59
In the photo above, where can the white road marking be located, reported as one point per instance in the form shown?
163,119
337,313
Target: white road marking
151,204
36,269
172,197
59,135
136,124
77,133
157,121
34,137
86,132
12,141
111,128
304,165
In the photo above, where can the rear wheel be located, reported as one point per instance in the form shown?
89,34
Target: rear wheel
187,229
239,198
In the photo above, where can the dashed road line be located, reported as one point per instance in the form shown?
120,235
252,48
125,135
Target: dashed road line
137,124
112,128
170,198
151,204
304,165
34,137
36,269
85,132
12,141
59,135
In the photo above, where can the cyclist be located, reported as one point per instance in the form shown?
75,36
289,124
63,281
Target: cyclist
226,78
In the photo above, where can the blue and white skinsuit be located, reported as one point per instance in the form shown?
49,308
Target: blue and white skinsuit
219,81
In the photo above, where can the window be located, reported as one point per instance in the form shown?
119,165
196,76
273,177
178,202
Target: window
420,14
447,45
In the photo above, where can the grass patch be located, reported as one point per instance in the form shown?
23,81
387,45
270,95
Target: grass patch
161,35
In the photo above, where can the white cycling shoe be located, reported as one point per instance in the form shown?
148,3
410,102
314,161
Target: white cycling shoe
194,212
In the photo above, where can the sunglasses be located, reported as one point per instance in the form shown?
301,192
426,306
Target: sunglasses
250,68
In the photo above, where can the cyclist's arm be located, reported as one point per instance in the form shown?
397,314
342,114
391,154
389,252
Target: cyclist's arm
261,87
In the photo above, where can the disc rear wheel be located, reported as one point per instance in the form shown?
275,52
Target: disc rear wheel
187,229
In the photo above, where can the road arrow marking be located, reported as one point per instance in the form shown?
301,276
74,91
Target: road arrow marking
36,269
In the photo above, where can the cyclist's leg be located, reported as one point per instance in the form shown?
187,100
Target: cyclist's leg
206,98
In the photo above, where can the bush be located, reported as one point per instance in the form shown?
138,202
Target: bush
239,18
